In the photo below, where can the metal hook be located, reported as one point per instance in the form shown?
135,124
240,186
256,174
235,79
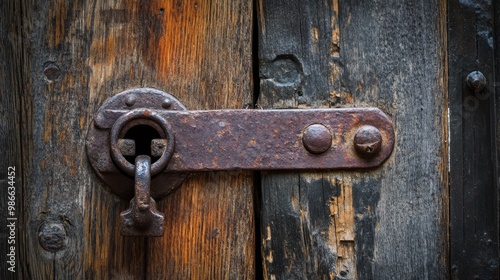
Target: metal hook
142,218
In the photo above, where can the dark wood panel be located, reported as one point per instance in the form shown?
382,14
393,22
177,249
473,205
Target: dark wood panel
10,164
395,59
65,80
386,54
473,173
78,54
299,241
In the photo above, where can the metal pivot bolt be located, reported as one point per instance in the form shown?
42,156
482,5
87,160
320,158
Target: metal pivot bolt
142,218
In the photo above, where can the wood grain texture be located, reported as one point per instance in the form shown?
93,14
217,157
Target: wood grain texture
386,54
395,58
307,229
216,237
474,198
496,120
307,226
78,54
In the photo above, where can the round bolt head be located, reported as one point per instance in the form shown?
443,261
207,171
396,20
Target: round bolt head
367,141
166,103
317,139
51,71
130,100
476,81
52,236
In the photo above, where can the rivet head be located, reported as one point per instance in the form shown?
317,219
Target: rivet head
476,81
130,100
367,141
52,236
317,139
166,103
51,71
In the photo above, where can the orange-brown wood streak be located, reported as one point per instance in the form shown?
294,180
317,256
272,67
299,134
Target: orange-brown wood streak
341,230
208,235
444,164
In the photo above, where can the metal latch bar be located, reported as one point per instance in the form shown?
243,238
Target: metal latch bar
268,139
296,139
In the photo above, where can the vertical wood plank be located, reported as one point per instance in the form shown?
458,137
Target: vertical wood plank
473,174
80,53
201,52
386,54
73,63
209,231
395,58
306,234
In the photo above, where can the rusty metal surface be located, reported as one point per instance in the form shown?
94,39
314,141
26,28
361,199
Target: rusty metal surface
137,115
158,147
142,218
317,139
99,148
367,141
238,139
272,139
126,147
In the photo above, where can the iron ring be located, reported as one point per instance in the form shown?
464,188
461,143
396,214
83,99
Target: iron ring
117,156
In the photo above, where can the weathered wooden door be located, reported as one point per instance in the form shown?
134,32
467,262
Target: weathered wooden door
430,212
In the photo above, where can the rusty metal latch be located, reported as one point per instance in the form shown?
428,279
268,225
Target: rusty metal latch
143,142
142,215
